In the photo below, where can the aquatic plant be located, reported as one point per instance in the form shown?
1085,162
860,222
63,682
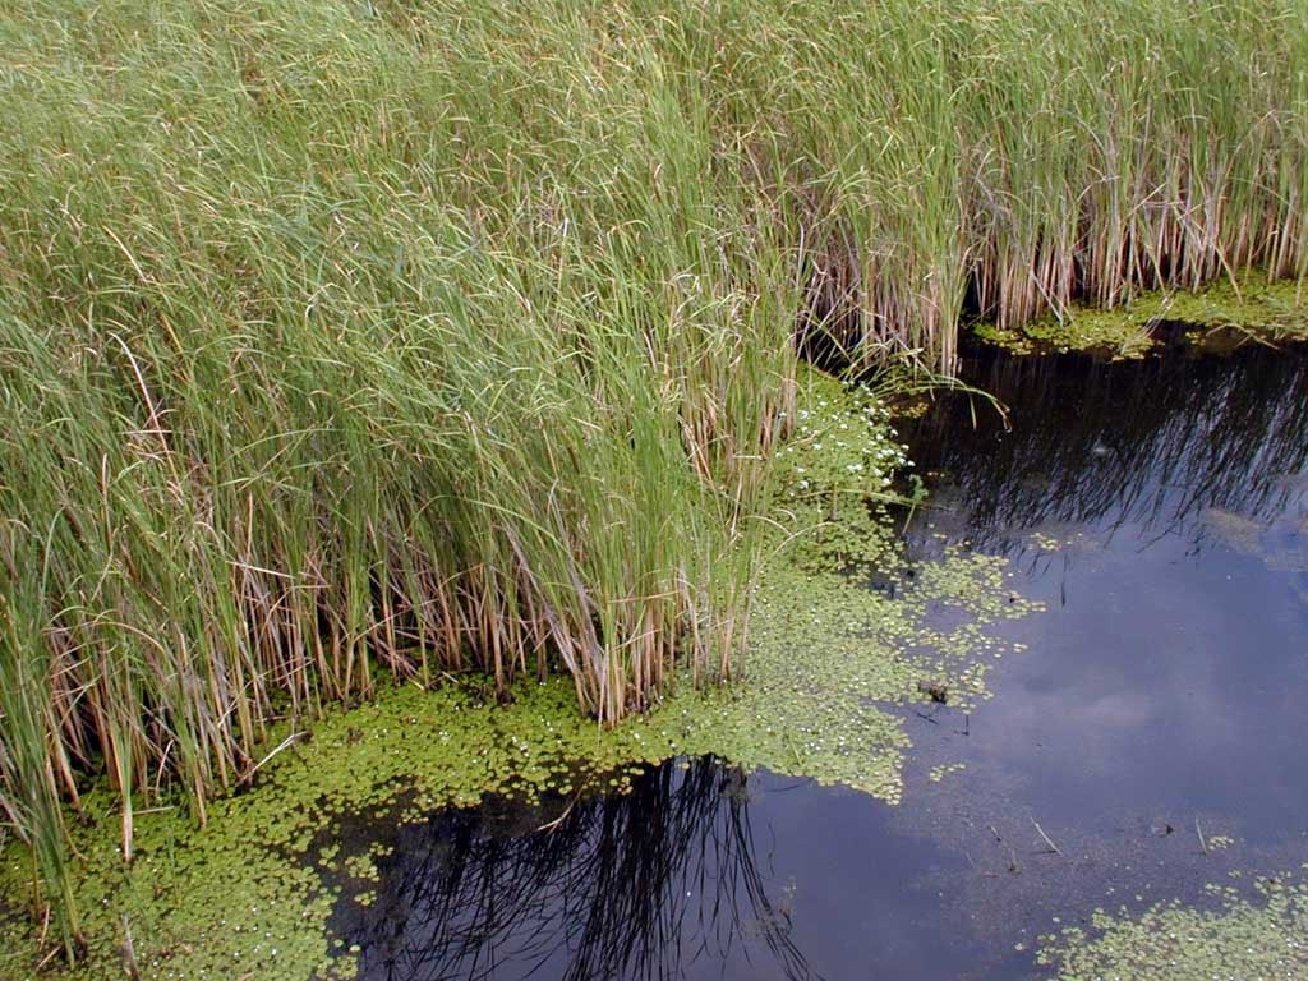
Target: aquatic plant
341,340
1262,937
1242,309
841,631
243,893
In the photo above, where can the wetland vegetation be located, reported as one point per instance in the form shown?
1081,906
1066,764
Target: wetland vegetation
351,350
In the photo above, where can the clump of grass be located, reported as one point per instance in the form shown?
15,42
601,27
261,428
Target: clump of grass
325,359
1004,160
340,339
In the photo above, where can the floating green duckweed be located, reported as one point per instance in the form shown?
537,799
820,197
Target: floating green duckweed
942,770
1241,939
1230,313
1116,332
843,624
844,628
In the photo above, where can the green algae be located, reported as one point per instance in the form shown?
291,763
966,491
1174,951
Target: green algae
1227,313
1241,938
844,631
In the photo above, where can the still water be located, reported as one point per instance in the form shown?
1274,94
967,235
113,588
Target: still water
1148,742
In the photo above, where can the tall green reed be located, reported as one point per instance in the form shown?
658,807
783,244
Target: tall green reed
346,341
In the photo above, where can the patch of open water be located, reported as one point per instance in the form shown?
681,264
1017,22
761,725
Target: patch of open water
1150,740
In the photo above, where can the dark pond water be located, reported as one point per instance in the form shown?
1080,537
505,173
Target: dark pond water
1153,734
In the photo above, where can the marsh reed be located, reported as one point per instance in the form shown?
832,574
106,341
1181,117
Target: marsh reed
341,341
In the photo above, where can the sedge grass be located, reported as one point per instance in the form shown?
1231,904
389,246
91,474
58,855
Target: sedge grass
349,339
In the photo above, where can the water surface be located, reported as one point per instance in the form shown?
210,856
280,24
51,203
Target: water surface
1149,741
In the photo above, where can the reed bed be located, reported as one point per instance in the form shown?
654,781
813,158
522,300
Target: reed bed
350,340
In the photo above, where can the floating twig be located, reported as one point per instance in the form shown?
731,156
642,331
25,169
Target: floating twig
127,952
1048,841
551,825
288,741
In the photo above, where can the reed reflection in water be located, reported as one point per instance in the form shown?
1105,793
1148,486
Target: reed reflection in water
1203,448
665,881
